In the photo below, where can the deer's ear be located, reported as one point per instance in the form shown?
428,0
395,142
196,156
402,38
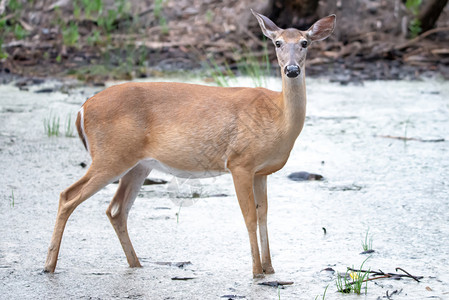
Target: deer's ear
322,28
268,27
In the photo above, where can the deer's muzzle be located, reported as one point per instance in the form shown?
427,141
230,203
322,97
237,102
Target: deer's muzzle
292,71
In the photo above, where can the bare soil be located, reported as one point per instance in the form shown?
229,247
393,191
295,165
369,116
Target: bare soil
395,188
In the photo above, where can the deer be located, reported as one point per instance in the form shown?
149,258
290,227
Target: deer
194,131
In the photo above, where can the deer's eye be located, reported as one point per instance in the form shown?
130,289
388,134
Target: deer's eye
278,44
304,44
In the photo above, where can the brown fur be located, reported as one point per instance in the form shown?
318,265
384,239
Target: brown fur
201,127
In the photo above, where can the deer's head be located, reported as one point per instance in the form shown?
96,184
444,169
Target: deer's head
291,44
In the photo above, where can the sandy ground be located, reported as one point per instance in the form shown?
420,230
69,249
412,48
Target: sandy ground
398,190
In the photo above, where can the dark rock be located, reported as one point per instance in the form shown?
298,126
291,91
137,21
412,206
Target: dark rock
45,90
182,278
329,270
303,176
368,251
154,181
276,283
37,80
21,83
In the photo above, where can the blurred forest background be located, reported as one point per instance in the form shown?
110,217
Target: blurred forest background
96,40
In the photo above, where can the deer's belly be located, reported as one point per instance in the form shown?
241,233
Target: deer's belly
155,164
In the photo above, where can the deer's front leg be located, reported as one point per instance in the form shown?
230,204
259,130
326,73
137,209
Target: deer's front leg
260,194
243,182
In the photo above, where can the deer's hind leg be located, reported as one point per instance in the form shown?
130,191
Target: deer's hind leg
97,177
121,204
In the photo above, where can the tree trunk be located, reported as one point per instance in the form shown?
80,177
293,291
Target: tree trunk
300,14
429,14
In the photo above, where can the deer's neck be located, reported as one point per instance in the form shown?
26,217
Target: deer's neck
294,101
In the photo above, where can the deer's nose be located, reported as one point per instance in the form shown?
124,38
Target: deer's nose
292,71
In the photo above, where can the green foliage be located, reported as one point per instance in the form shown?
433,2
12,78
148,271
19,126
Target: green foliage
157,11
415,24
76,10
14,6
51,125
70,34
248,65
359,278
324,294
123,7
3,54
19,32
158,5
94,38
220,76
353,281
415,27
413,6
107,22
92,6
343,283
164,27
69,127
12,201
11,25
2,29
368,243
209,16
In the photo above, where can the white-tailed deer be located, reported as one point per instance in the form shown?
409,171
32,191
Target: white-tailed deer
197,131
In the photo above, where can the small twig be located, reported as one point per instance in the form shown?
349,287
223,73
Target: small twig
381,274
407,273
404,138
380,277
374,278
375,273
146,11
420,37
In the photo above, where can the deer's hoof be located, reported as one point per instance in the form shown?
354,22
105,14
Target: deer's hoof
48,270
